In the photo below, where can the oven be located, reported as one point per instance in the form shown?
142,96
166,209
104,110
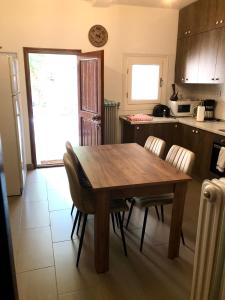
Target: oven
215,154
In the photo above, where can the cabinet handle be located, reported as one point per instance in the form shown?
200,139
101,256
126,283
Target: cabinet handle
217,79
137,127
213,79
189,31
221,21
193,131
186,33
217,22
175,126
182,79
186,79
196,131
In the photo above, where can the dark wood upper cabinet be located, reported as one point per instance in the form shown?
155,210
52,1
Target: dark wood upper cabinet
220,62
208,56
188,20
212,14
187,59
220,13
193,44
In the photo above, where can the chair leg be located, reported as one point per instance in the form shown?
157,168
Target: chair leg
182,237
122,234
113,222
143,228
130,212
162,212
123,215
79,219
157,212
81,238
74,223
72,209
117,221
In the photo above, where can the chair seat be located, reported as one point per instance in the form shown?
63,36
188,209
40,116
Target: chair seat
154,200
118,205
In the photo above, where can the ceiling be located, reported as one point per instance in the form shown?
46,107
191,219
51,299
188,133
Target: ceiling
150,3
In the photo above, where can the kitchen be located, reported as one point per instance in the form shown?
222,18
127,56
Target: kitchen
131,31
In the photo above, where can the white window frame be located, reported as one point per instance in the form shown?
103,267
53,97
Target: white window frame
145,59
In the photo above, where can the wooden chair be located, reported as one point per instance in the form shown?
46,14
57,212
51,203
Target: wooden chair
84,201
82,178
157,147
183,160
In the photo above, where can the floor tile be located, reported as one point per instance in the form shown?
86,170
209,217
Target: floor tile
35,249
69,277
59,199
35,214
61,224
35,191
37,285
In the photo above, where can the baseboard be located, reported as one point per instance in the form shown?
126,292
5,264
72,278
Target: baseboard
30,167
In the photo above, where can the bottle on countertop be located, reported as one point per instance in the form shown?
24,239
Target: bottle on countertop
200,112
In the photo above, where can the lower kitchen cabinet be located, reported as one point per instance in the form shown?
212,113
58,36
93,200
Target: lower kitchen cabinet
139,133
200,142
197,140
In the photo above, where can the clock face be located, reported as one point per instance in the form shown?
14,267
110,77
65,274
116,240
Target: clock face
98,36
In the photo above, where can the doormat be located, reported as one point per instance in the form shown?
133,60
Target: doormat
52,162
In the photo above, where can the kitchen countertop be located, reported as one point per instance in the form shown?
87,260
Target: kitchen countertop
211,126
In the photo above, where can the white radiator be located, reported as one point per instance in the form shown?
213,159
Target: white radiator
208,274
110,122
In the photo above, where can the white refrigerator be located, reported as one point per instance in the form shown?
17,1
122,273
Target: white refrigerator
11,125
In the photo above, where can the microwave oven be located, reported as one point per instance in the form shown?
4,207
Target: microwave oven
183,108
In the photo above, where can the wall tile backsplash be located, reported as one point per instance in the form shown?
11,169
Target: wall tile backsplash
205,91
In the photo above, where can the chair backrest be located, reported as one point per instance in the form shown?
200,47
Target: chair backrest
72,154
181,158
155,145
78,193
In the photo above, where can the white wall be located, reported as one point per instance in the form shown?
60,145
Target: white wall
65,24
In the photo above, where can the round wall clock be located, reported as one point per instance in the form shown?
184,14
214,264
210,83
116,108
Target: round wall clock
98,36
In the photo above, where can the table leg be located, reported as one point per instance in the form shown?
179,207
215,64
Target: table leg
102,231
176,219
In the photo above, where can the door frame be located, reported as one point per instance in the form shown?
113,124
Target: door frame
26,51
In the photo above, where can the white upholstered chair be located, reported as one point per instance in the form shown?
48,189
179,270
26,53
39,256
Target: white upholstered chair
156,146
183,160
83,199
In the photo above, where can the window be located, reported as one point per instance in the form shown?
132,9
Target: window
144,80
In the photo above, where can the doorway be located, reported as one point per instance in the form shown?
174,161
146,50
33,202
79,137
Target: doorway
52,102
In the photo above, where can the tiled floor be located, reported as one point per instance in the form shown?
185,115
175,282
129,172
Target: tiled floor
45,256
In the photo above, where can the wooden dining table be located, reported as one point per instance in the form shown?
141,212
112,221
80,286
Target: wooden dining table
127,170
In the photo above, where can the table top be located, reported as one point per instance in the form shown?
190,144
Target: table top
125,165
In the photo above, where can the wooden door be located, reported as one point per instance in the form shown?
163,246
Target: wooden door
192,59
220,63
208,56
91,97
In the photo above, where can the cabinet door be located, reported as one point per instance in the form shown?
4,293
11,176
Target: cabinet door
179,68
220,63
188,20
207,56
141,133
220,13
192,59
177,134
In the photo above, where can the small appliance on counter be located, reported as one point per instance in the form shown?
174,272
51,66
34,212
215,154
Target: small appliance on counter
183,108
209,108
161,110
